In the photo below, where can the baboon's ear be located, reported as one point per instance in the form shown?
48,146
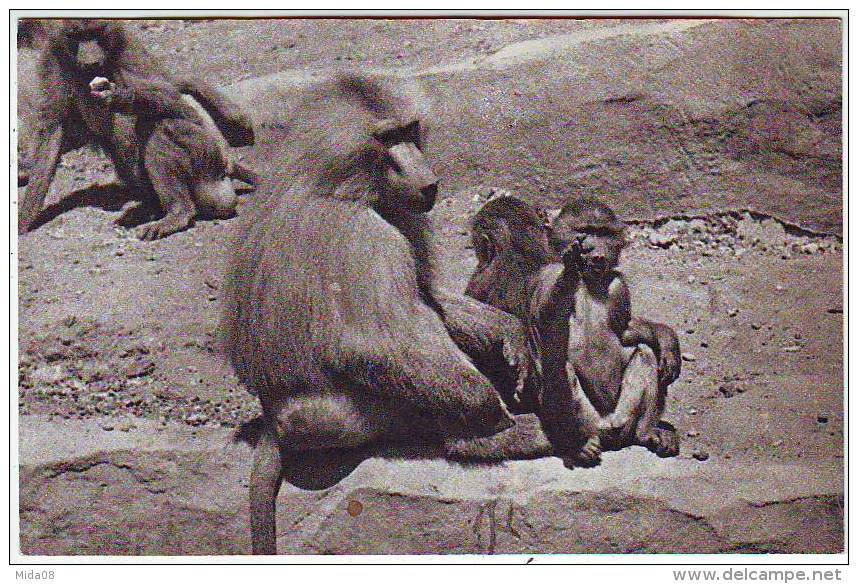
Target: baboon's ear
412,130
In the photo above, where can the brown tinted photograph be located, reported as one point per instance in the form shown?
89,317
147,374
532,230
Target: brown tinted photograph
481,284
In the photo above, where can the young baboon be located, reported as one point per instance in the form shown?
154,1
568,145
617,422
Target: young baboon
331,313
179,154
624,364
70,114
613,355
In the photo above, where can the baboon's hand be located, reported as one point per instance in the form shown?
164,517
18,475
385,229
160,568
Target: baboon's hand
669,355
612,421
101,88
571,257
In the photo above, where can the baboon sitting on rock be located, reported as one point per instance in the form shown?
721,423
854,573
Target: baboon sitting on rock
331,314
171,159
623,364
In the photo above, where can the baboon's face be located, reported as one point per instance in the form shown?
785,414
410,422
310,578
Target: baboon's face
409,182
87,44
599,247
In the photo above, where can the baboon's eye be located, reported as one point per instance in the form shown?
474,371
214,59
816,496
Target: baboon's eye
394,165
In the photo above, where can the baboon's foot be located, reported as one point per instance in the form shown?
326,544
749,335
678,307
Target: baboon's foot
663,441
137,214
172,223
590,454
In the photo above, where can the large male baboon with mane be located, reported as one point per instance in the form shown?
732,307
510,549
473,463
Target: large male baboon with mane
331,313
160,159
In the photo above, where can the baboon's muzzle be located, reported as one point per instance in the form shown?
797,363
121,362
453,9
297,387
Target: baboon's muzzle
90,55
413,167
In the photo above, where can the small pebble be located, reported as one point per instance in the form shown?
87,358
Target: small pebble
733,312
756,326
107,427
792,349
700,455
822,419
692,433
692,411
689,357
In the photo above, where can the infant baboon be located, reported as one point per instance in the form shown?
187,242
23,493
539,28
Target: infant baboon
331,313
623,363
623,387
71,114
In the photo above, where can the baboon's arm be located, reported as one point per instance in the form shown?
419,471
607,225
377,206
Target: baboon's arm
149,98
552,296
481,330
229,118
524,441
662,340
46,156
496,342
634,331
565,422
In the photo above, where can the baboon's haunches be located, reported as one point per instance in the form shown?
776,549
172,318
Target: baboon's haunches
331,314
159,159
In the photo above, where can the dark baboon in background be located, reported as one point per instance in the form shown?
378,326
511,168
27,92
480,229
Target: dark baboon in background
182,160
331,315
609,350
69,115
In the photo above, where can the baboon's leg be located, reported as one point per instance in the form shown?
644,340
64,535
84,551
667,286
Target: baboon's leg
124,163
265,480
641,404
46,155
167,168
524,441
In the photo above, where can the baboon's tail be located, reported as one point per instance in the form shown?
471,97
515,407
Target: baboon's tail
229,118
245,174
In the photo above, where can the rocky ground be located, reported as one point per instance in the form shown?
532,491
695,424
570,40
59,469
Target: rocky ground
122,333
111,326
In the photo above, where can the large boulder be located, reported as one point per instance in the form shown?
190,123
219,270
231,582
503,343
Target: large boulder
662,118
101,487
